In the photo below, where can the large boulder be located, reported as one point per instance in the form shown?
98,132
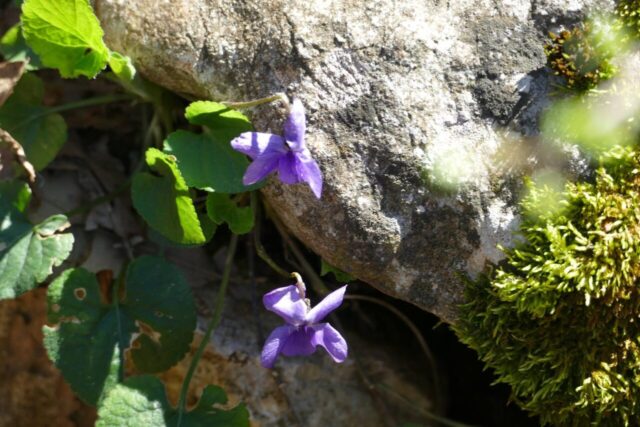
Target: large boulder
403,99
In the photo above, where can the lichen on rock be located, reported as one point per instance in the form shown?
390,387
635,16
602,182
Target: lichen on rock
558,321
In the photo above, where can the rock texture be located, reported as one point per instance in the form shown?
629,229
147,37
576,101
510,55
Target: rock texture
404,99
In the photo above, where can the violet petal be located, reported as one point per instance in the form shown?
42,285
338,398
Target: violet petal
308,171
274,344
262,166
287,169
294,126
300,342
326,306
253,144
286,303
326,336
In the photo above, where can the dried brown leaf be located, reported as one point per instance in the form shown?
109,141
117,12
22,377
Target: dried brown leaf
18,153
10,73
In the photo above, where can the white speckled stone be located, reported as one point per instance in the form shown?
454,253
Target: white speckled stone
397,93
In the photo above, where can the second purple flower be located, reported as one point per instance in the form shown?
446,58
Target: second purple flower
287,154
304,329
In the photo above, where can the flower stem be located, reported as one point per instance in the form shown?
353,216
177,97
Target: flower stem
121,341
99,100
431,360
88,207
90,102
254,103
316,282
260,250
215,320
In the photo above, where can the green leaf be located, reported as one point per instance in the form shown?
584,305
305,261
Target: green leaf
208,164
40,132
164,201
208,226
223,122
341,276
14,48
221,209
28,253
154,316
208,229
14,193
66,35
142,401
122,66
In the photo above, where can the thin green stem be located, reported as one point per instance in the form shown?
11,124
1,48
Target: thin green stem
90,102
431,360
99,100
215,320
260,250
316,282
254,103
437,418
88,207
116,302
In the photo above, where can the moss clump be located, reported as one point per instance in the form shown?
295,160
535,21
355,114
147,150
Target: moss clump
559,322
628,14
580,56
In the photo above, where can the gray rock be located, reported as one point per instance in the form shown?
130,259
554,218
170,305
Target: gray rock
403,98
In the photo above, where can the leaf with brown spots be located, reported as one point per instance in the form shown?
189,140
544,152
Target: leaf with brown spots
153,318
142,401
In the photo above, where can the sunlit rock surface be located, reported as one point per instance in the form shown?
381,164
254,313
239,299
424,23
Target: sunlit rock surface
404,99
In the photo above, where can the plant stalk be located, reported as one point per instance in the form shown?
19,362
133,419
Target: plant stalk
88,207
99,100
215,320
254,103
260,250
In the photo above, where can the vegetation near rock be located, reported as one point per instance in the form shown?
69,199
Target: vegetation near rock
558,322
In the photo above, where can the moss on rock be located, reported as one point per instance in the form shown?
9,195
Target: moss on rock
580,56
558,321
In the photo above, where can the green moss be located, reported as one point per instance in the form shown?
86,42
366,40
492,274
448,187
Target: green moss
581,56
558,321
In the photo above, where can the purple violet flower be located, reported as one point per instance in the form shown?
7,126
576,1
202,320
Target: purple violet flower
288,154
303,331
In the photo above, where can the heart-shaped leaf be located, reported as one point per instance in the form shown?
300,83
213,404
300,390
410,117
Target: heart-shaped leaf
142,401
221,209
40,132
153,317
208,164
164,201
223,122
66,35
